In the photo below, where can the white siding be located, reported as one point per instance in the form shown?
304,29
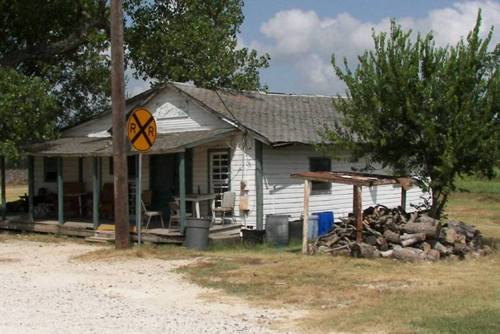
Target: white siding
284,195
175,112
70,173
242,169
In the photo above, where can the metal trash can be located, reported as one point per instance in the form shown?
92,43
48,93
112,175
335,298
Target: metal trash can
277,230
312,230
196,236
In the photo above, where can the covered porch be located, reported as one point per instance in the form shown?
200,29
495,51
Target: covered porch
70,185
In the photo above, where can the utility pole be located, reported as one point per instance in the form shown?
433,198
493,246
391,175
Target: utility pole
122,234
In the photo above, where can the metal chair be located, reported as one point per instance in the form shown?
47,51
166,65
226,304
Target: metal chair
148,215
175,213
227,206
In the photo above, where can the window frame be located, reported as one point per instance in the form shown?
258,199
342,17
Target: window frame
320,187
210,152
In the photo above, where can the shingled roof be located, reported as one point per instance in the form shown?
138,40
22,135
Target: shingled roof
278,118
91,146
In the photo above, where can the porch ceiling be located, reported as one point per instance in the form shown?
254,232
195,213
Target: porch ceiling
86,146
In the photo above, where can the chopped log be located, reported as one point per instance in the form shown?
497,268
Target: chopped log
407,236
387,253
411,239
363,250
408,254
449,235
371,240
382,244
430,229
412,218
425,246
463,229
392,237
442,249
432,255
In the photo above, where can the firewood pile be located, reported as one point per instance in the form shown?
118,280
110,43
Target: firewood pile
393,233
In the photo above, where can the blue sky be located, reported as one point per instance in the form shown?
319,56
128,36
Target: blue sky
301,35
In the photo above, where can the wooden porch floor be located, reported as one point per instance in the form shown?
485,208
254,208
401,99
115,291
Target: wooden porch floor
85,229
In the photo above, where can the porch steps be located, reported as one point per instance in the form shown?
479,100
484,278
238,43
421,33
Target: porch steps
101,237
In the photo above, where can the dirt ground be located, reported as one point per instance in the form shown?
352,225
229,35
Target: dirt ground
45,290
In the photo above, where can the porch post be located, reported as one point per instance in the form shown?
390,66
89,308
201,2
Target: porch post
357,209
4,196
259,187
96,188
182,190
138,197
60,191
31,187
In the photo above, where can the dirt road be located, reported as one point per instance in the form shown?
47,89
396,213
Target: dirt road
44,290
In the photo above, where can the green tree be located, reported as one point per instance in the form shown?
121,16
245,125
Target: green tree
418,108
27,113
62,46
54,51
191,40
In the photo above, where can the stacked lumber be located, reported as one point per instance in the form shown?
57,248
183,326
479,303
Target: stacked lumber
394,233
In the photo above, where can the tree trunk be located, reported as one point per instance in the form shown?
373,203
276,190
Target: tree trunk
439,200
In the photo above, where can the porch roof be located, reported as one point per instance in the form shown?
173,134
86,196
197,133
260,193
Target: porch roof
91,146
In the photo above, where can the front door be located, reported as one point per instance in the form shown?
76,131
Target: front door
164,181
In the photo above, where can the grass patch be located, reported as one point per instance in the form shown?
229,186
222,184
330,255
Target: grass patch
14,191
359,295
165,252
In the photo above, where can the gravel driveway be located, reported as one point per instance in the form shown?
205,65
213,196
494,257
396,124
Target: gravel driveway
44,291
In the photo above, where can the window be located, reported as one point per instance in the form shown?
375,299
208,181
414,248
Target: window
320,165
219,177
50,169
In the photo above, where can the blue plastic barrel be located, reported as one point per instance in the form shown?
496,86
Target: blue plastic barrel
325,222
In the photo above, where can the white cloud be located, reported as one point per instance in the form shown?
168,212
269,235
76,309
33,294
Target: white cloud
304,41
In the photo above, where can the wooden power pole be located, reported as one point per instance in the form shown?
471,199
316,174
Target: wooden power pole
122,237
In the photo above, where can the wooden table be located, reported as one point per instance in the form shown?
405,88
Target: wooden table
196,199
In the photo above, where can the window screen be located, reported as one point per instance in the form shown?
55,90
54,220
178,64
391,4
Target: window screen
219,174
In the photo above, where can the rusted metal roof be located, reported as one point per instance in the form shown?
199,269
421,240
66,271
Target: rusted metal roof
355,178
87,146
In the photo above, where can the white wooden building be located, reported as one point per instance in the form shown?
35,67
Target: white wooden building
249,143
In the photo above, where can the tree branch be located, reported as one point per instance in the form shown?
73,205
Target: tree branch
69,44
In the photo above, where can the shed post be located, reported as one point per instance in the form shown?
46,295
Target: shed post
60,191
95,192
182,190
3,187
31,188
403,198
305,227
358,212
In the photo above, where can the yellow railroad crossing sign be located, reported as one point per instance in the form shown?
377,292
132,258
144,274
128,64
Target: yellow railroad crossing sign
141,130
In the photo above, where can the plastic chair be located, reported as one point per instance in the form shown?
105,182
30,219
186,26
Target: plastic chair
227,206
